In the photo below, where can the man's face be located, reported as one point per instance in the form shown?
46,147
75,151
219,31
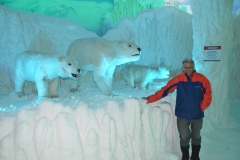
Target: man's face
188,68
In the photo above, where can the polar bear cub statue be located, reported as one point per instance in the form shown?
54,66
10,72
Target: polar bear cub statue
102,56
44,70
143,75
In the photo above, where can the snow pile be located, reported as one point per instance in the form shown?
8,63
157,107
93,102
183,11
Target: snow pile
127,129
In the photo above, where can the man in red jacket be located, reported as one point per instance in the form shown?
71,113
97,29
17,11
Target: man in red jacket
194,95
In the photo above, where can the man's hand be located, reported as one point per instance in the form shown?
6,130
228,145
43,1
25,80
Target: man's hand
164,102
145,98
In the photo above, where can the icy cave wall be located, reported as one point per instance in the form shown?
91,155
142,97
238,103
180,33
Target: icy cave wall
234,65
127,8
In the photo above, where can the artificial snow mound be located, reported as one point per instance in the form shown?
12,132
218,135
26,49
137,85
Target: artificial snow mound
50,131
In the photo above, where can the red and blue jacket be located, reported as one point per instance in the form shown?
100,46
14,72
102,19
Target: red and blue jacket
194,95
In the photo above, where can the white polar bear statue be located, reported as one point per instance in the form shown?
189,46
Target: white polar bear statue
102,56
143,75
44,70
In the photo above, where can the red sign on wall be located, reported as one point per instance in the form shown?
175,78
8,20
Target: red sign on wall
212,53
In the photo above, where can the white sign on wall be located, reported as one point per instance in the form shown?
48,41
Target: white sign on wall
212,53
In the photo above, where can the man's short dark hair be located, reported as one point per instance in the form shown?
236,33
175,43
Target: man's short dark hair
188,60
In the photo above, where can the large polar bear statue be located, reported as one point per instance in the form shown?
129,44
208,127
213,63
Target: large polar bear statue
44,70
102,56
143,75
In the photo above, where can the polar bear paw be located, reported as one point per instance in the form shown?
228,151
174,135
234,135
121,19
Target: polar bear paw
20,94
54,96
74,90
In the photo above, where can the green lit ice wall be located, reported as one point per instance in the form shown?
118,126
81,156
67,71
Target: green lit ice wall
86,13
94,15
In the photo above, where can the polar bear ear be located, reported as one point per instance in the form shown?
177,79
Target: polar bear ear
116,43
61,58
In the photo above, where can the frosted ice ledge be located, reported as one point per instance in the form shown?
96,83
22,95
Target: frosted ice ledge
129,130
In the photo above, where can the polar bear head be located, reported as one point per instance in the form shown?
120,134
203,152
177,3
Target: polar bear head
68,68
162,73
126,52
